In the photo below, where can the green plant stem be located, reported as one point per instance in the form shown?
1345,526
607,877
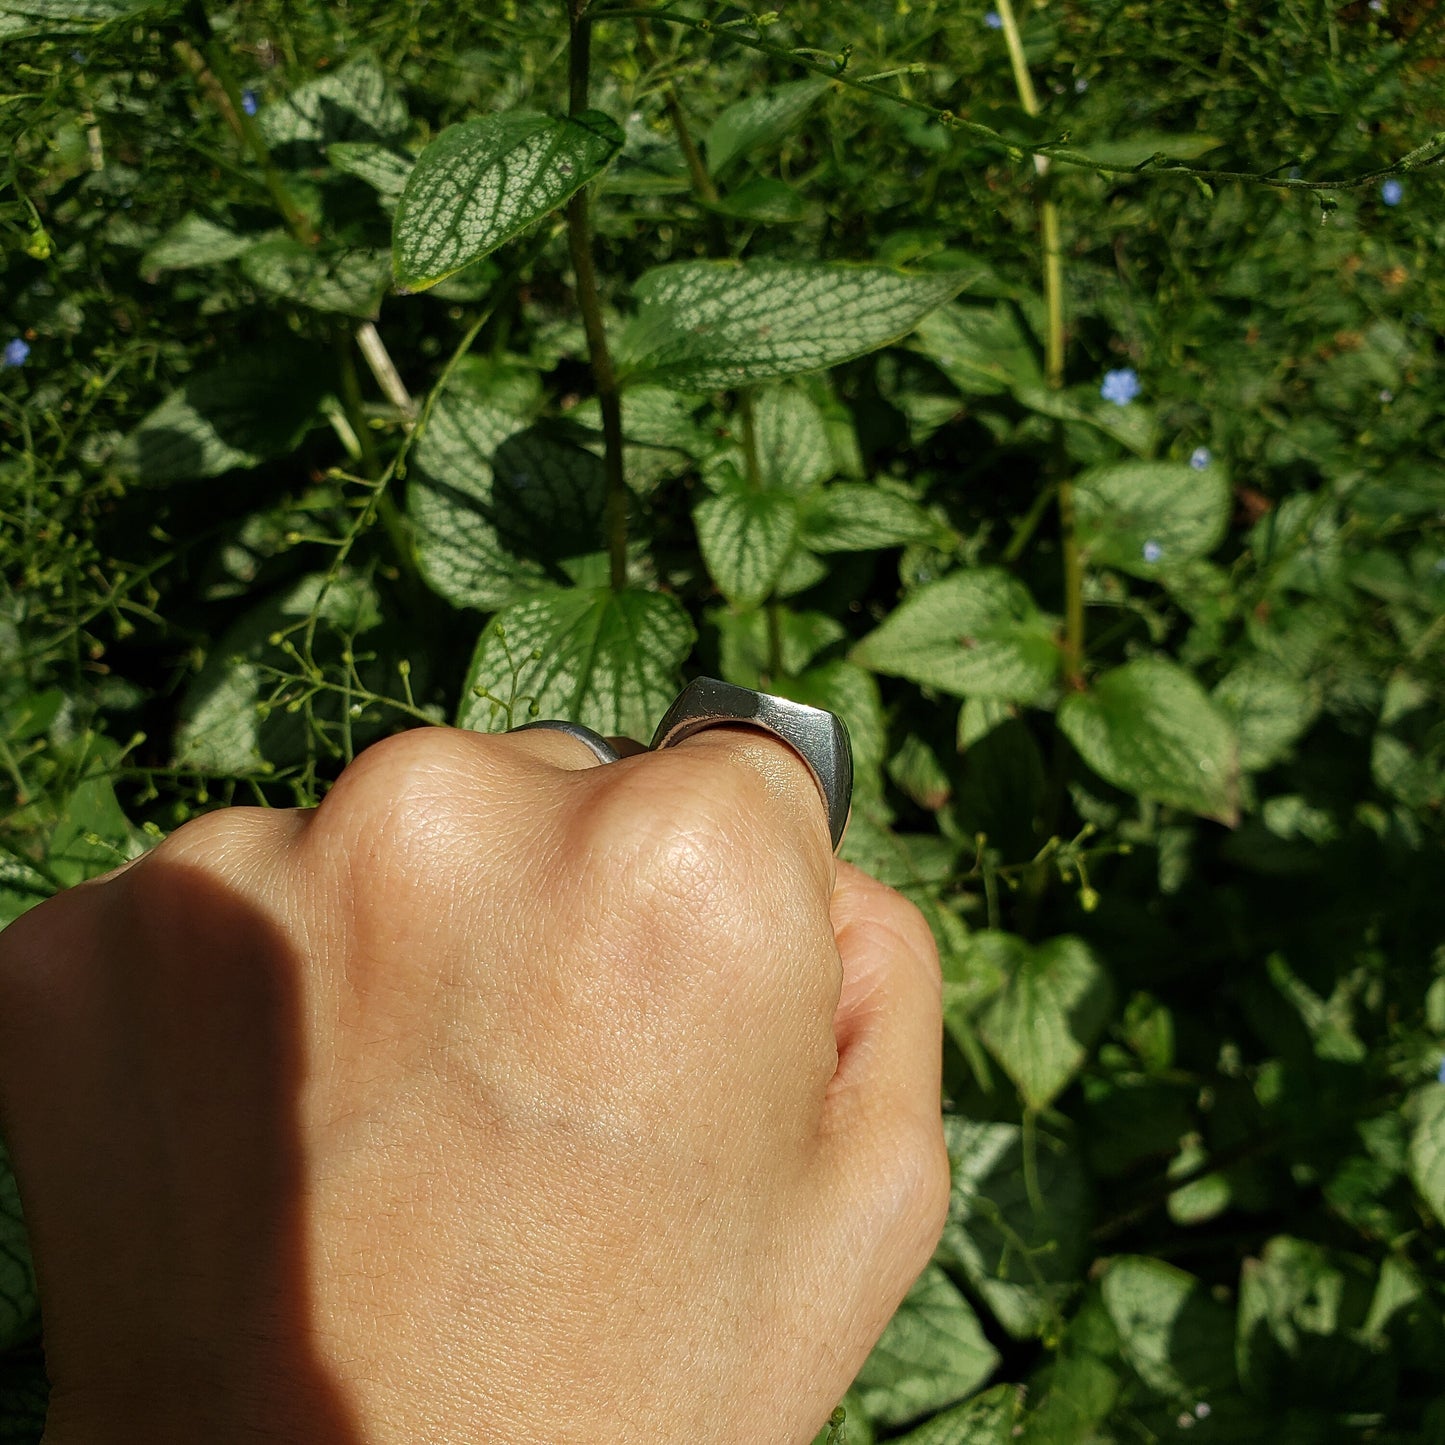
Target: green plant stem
702,183
829,64
604,374
213,72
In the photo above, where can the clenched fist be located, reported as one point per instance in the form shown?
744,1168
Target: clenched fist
505,1096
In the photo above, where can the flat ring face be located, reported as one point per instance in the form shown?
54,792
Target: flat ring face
819,737
605,751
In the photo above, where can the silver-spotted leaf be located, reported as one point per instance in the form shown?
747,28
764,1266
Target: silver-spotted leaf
253,407
609,660
1150,729
350,282
1040,1026
481,182
1427,1148
707,324
746,536
496,505
932,1354
858,517
973,634
355,103
383,168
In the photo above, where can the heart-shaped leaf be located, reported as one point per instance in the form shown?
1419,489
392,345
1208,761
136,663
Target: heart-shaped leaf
495,504
481,182
609,660
746,536
1144,517
1149,728
974,634
1054,1003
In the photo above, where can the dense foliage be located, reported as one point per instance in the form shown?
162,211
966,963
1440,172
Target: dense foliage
1056,392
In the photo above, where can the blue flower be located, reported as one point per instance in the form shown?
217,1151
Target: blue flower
1440,1076
1392,192
16,353
1199,458
993,20
1152,551
1121,386
249,103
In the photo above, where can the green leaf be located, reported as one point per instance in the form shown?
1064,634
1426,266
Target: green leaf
1133,150
932,1354
254,407
1269,709
77,12
609,660
988,1419
1150,729
850,691
856,517
483,181
19,1303
792,440
497,506
707,324
762,199
194,241
1301,1335
92,834
760,120
385,170
974,633
746,537
350,283
1145,517
1023,1261
221,729
1427,1148
1054,1004
355,103
983,350
1178,1339
745,641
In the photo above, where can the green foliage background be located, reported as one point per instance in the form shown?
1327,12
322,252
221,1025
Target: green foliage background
1145,694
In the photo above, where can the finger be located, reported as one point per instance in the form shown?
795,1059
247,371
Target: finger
882,1128
788,808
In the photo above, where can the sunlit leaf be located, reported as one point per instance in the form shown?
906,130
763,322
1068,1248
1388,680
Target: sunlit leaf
1150,729
746,535
932,1353
483,181
609,660
1145,517
706,324
975,633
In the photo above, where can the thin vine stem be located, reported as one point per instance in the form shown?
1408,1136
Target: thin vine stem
833,65
589,302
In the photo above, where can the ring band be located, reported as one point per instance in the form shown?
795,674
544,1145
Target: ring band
604,750
819,737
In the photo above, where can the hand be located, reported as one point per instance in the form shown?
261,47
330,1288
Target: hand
504,1097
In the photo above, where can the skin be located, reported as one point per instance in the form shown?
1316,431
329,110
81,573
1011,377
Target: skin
505,1096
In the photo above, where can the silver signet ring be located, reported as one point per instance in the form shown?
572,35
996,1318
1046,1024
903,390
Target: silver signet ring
606,753
819,737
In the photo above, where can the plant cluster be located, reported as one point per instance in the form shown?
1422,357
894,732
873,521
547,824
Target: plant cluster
1053,390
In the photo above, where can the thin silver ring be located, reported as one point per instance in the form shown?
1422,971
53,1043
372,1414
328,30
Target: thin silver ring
604,750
